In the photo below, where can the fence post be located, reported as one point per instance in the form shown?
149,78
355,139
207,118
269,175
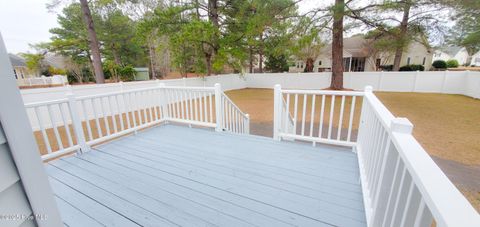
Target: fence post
444,81
247,124
77,124
163,100
218,107
277,111
415,81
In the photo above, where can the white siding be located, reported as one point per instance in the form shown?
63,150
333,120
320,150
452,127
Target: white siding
13,200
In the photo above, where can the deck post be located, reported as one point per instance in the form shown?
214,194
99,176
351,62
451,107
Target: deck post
277,111
247,124
218,108
77,124
401,125
163,100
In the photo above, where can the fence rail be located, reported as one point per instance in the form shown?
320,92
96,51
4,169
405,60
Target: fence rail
76,123
401,184
316,115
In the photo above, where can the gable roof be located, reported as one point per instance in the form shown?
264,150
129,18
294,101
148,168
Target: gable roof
452,50
17,60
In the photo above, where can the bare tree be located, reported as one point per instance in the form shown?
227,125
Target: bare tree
93,43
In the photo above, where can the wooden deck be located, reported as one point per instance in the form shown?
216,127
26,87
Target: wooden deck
179,176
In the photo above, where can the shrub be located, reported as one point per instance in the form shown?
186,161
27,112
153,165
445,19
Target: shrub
127,73
439,64
452,63
386,67
412,68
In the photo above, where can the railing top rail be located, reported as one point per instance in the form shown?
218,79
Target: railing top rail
35,104
145,89
323,92
447,205
233,104
191,88
432,183
381,111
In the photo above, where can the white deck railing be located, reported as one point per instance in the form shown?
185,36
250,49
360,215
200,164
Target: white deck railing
402,185
316,115
76,123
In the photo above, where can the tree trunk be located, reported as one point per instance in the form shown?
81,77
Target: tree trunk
208,59
403,32
309,65
260,55
337,45
250,60
213,12
93,42
153,58
116,57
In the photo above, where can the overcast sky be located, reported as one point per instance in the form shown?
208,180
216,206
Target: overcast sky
28,21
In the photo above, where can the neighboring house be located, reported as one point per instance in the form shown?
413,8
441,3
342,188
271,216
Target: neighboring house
19,67
357,57
55,60
475,59
452,52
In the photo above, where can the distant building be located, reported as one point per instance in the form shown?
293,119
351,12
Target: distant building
475,59
357,57
452,52
19,67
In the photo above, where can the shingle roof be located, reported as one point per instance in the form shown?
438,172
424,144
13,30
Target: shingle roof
16,60
452,50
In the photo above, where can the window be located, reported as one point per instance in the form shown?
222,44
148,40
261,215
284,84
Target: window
408,61
424,58
319,62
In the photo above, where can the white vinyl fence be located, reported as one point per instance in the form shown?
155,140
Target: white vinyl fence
401,184
76,123
43,80
447,82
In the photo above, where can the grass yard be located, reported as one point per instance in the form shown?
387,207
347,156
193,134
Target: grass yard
447,126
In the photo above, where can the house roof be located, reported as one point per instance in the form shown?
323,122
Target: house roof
452,50
16,60
352,47
55,60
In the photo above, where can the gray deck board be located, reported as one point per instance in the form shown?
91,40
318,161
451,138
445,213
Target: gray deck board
174,175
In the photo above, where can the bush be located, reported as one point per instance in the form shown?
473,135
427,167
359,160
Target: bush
412,68
386,67
439,64
452,63
127,73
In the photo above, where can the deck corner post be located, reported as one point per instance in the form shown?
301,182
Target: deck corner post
163,99
218,107
77,124
247,123
277,111
401,125
368,88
